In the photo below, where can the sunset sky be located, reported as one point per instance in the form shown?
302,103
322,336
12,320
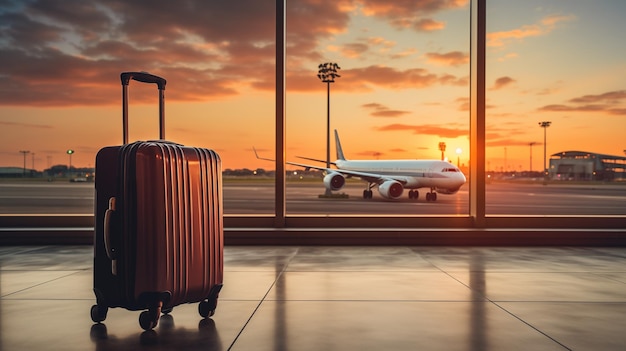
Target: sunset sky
404,84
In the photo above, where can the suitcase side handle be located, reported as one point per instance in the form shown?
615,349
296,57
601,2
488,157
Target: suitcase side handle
108,218
143,77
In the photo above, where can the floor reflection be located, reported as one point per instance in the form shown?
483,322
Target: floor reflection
280,327
478,318
166,337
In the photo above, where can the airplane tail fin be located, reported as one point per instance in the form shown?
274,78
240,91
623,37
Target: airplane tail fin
340,155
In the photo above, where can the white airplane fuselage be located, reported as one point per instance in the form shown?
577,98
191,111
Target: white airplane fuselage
417,173
413,174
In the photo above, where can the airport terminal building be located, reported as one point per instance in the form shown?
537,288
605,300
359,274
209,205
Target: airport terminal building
582,165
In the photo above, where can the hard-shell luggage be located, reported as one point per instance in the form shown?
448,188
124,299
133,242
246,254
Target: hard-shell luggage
158,223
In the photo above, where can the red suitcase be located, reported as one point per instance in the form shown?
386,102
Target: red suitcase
158,223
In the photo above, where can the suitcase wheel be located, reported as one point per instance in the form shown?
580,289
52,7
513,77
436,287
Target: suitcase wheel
207,308
99,313
154,301
148,320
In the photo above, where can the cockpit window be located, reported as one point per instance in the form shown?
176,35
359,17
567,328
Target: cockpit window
450,170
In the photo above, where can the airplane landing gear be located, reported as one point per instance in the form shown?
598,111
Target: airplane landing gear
431,196
367,193
414,194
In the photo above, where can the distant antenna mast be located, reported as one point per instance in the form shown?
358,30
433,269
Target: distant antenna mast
545,125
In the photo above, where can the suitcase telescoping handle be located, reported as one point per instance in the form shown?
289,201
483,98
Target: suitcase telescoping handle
143,77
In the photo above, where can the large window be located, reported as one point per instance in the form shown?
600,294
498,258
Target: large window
412,84
393,81
556,108
61,94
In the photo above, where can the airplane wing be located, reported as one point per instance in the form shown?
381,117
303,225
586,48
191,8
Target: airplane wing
369,177
315,159
307,167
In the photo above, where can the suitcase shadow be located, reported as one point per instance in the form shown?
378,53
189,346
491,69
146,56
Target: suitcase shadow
165,337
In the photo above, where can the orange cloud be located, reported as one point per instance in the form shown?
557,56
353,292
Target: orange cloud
502,82
610,103
545,26
365,78
381,41
404,53
453,58
398,79
410,13
448,79
379,110
426,129
351,50
428,25
364,45
610,97
54,55
584,108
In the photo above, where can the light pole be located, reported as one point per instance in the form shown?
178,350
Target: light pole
545,125
327,72
506,166
24,152
442,148
69,170
531,155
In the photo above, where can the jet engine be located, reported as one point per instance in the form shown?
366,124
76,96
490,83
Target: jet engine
334,181
391,189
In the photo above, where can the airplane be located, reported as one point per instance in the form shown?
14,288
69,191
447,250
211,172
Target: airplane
391,176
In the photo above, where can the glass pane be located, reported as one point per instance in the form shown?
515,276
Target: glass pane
59,75
556,101
395,86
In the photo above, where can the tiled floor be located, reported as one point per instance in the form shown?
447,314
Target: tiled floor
337,298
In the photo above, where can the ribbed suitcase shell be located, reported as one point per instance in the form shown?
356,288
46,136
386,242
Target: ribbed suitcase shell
166,230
